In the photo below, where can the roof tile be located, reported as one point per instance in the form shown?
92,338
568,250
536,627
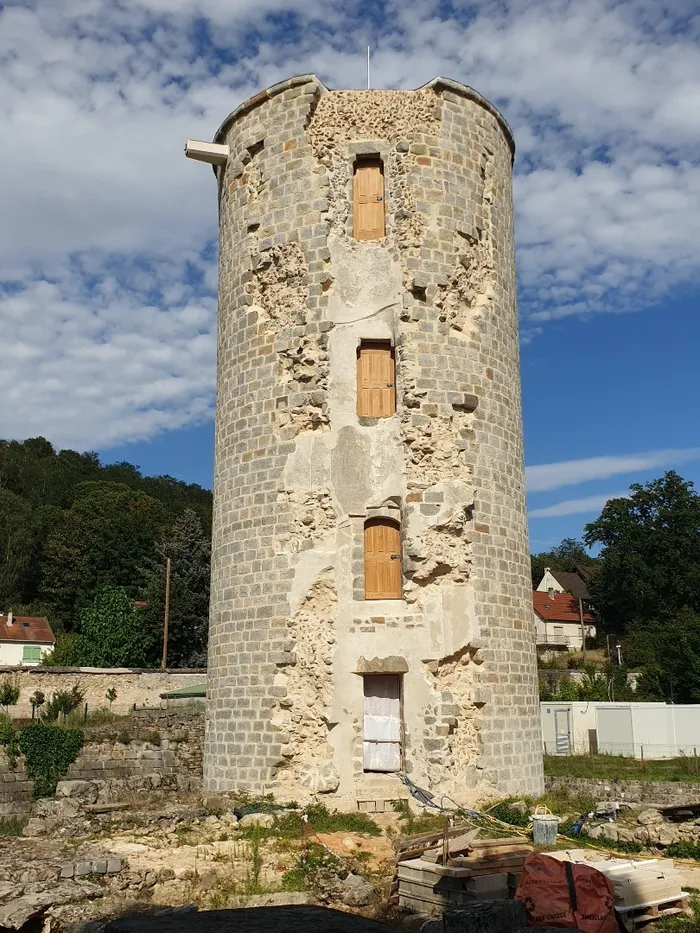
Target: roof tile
561,607
27,628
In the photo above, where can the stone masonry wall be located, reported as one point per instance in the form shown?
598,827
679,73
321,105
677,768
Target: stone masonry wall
652,793
120,767
297,473
140,688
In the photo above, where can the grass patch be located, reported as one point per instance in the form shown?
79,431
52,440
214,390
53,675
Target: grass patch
288,825
683,923
620,768
10,827
313,870
412,823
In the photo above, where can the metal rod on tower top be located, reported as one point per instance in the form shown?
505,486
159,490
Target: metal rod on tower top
368,68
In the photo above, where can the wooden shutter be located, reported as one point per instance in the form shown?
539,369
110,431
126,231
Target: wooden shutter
383,573
376,381
368,200
381,733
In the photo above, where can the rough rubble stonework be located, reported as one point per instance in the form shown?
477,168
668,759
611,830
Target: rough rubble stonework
297,473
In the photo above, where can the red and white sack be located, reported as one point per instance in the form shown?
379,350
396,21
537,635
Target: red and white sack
566,894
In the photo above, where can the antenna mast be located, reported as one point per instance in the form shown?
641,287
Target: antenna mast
368,84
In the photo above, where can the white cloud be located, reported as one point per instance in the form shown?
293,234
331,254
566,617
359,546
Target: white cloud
548,476
574,506
108,240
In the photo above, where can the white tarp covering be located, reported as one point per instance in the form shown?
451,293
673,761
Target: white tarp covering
382,723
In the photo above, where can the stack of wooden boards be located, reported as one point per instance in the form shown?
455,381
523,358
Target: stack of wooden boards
644,890
437,871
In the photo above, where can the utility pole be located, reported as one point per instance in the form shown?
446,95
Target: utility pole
368,83
164,663
583,630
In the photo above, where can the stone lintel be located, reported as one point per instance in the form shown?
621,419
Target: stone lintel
391,665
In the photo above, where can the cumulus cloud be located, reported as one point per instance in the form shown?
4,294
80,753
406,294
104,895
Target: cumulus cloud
548,476
107,252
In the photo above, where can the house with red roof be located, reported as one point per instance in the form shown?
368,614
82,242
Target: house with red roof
561,621
24,640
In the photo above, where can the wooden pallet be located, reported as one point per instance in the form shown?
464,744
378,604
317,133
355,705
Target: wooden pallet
635,917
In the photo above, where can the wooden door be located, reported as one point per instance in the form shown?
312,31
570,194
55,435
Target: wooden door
383,573
368,200
381,732
376,381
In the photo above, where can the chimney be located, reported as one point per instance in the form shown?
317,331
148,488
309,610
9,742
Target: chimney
550,592
10,620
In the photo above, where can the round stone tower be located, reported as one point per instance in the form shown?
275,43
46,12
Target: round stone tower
371,608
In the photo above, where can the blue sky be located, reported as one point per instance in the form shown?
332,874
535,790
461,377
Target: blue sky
108,240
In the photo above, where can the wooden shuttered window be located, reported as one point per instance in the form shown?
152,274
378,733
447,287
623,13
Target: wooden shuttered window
376,380
368,200
383,572
381,732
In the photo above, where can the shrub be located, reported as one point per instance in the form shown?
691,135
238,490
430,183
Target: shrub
49,751
62,702
684,850
9,739
123,737
153,738
37,699
9,693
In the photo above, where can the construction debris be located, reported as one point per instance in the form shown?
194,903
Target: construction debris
455,869
644,890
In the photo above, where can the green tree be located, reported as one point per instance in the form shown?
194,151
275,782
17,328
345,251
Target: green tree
567,556
17,547
49,549
103,539
649,567
668,651
189,550
111,633
9,693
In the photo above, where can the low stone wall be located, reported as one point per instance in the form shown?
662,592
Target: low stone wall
652,793
141,688
121,766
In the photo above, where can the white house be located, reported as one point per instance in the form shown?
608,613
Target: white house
24,640
560,581
559,623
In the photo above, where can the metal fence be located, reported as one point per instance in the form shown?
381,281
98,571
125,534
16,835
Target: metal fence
690,755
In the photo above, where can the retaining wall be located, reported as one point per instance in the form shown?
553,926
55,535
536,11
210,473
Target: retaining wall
140,687
138,764
654,793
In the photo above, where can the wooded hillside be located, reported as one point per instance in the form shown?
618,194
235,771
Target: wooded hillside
72,528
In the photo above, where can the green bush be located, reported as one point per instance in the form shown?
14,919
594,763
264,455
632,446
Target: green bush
504,811
9,692
62,702
123,737
48,751
9,739
153,738
684,850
